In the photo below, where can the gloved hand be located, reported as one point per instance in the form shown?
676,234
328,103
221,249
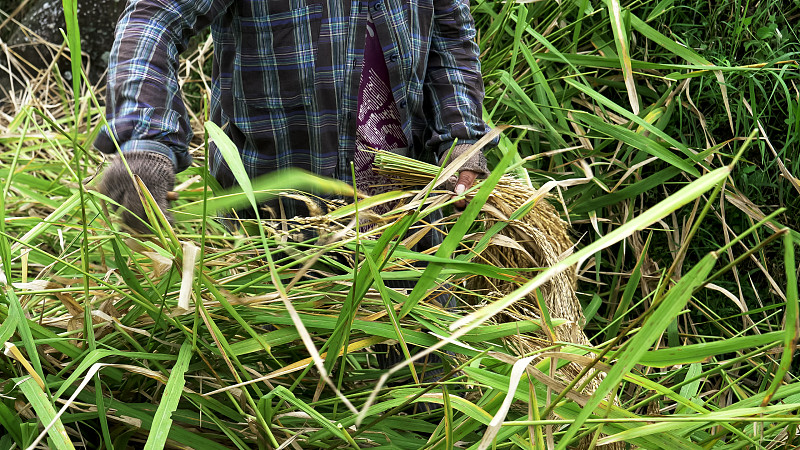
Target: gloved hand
474,168
158,174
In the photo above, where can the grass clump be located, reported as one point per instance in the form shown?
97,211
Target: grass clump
626,276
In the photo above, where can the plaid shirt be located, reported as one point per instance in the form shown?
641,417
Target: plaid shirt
286,75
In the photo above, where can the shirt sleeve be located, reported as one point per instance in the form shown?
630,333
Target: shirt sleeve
454,84
144,107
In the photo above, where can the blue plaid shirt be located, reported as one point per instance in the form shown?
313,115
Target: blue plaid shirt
286,75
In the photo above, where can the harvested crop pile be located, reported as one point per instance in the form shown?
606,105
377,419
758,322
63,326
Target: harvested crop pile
532,235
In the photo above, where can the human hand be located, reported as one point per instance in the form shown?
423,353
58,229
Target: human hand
156,172
473,168
466,178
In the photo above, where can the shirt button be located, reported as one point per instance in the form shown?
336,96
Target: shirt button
378,6
393,57
402,104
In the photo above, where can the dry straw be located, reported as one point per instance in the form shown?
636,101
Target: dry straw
536,239
533,236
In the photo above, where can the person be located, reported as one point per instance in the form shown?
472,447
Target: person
296,83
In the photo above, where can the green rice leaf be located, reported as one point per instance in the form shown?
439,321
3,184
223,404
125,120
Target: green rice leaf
694,422
637,140
8,326
458,403
687,354
336,429
66,207
569,410
264,188
145,412
10,298
45,412
685,195
615,13
169,400
12,423
791,321
627,295
233,160
669,308
456,234
685,53
94,356
638,120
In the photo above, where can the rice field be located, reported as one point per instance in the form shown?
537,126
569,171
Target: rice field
625,277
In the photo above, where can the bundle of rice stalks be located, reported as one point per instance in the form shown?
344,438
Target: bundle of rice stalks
533,236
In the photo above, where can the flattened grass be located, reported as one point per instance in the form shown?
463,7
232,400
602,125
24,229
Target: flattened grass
685,263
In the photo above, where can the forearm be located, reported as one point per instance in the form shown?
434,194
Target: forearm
454,82
144,107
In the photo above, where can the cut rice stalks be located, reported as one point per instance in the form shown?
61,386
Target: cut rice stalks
533,236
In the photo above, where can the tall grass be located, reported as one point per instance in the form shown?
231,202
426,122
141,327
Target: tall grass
666,134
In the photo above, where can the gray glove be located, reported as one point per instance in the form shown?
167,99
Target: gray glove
477,163
158,174
475,167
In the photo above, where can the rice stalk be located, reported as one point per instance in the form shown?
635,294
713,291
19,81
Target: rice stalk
539,238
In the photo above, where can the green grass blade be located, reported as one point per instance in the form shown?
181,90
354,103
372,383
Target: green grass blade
74,44
638,120
615,13
92,357
638,141
695,421
10,298
688,354
691,388
232,158
378,329
45,412
791,321
667,310
685,195
456,234
264,188
568,410
387,302
532,111
66,207
8,326
685,53
144,413
458,403
12,423
287,395
169,400
627,294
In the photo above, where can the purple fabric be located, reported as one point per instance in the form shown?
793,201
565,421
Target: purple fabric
378,119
